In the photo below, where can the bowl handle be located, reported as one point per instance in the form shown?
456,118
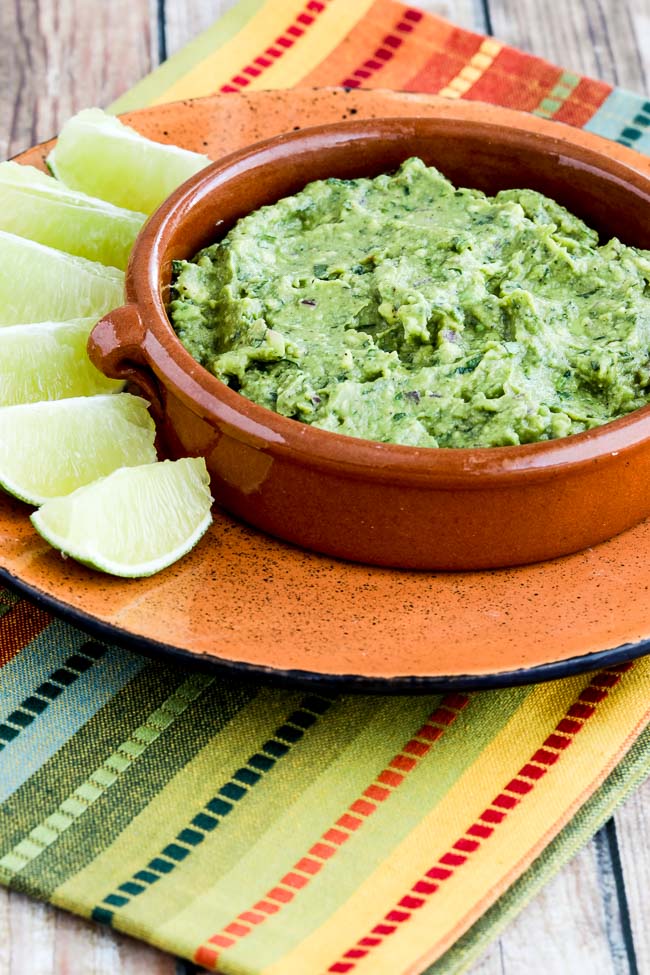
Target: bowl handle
116,347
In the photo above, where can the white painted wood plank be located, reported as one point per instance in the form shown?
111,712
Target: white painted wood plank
184,20
36,938
57,56
607,39
465,13
633,835
568,927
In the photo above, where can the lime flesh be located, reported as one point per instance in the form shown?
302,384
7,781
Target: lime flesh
39,283
50,449
99,155
48,361
41,208
66,442
134,522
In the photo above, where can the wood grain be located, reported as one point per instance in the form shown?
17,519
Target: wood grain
471,14
35,938
632,833
607,39
184,20
57,56
570,926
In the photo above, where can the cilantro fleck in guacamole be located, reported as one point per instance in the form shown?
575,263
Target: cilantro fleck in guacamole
404,310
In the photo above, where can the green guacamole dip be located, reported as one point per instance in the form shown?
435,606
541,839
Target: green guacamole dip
403,310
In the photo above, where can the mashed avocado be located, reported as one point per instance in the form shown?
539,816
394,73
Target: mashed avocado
404,310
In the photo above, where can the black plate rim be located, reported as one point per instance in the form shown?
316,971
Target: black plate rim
305,679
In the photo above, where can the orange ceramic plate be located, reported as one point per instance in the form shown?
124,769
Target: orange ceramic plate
254,604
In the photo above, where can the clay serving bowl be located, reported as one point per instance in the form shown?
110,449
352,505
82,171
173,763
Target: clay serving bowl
372,502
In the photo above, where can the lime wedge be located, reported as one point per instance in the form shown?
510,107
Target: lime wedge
39,207
134,522
98,154
47,361
52,448
39,283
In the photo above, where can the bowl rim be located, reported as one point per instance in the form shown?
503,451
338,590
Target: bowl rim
245,420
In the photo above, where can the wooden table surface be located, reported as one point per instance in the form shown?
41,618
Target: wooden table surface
58,56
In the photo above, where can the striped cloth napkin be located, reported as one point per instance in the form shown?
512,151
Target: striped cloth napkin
257,830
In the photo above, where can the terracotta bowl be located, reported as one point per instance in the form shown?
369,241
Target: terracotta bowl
360,500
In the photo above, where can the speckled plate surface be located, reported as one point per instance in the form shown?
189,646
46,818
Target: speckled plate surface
247,602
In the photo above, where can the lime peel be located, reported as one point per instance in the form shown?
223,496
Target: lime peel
51,448
134,522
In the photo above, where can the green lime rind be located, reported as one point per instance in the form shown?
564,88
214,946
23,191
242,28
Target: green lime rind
134,522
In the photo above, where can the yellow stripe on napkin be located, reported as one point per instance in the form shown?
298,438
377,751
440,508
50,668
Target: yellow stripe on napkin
526,830
317,40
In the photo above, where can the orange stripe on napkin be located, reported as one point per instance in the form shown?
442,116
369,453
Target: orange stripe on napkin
382,50
18,627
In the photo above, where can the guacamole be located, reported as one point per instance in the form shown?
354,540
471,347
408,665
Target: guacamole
403,310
